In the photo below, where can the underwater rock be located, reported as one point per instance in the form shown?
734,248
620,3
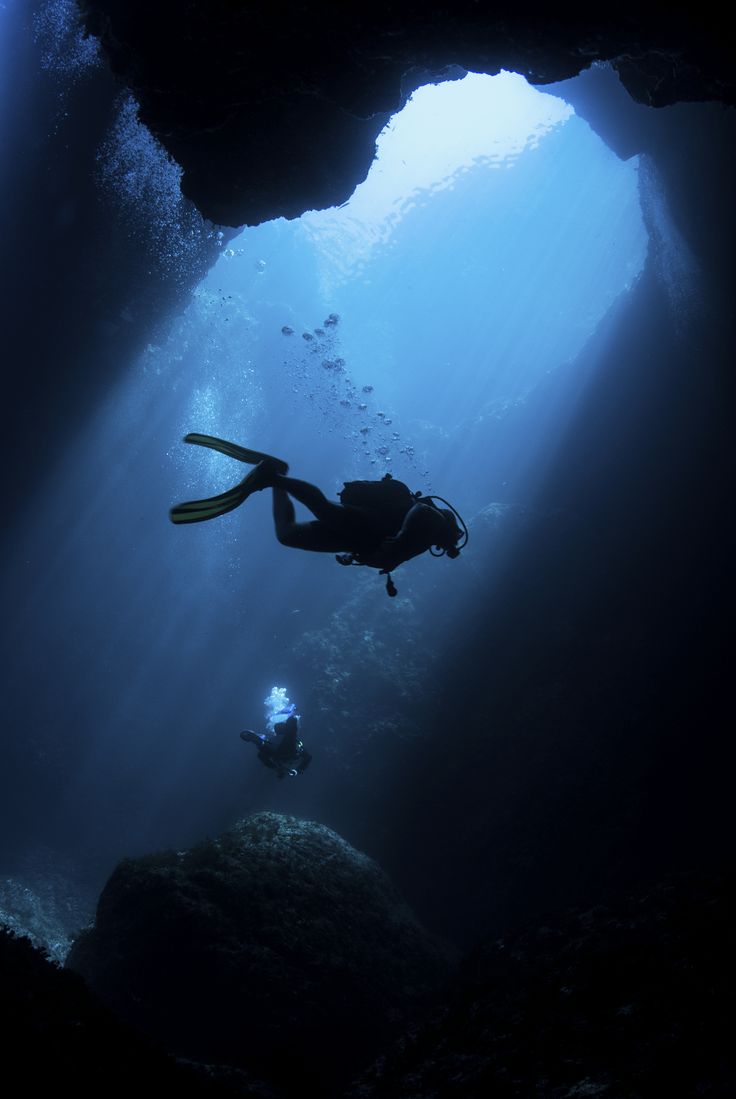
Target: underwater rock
58,1039
276,947
627,1000
289,122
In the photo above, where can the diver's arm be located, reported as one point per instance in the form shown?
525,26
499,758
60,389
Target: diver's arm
422,528
250,737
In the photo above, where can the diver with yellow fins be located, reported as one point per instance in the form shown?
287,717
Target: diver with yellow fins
380,524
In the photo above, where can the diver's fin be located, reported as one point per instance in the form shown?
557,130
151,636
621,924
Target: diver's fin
198,511
241,453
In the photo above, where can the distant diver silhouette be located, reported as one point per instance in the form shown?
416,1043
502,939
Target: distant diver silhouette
283,752
380,524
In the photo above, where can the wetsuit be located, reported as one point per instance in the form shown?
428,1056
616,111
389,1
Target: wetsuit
371,535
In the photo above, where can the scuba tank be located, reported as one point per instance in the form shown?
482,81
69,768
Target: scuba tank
390,499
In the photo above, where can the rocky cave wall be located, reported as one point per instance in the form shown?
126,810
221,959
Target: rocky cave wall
274,110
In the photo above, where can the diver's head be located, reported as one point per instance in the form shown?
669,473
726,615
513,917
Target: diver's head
454,533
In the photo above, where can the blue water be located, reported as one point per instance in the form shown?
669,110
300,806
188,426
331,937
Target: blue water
142,649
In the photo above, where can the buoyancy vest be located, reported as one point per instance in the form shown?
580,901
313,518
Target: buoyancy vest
390,499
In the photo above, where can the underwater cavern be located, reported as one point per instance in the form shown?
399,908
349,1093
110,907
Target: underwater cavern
490,253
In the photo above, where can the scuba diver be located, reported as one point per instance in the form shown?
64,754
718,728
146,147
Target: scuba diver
283,752
380,524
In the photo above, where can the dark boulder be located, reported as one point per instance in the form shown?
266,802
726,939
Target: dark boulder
276,947
628,1000
58,1039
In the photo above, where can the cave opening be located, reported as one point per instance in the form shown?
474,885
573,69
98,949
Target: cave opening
528,308
461,323
493,234
434,327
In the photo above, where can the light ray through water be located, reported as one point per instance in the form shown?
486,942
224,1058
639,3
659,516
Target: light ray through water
462,280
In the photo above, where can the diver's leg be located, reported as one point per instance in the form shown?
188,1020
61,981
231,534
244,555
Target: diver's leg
284,516
349,525
312,497
316,535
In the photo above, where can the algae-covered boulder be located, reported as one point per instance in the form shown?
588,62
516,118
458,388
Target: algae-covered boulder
277,947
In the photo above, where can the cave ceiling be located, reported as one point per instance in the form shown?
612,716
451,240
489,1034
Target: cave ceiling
274,109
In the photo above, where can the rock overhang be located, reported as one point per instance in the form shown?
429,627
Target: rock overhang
274,110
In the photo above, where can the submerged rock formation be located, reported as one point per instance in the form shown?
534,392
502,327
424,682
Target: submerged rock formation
58,1039
274,110
627,1000
632,998
276,947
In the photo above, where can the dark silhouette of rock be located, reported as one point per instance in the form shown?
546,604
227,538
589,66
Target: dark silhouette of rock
276,947
274,109
631,1001
57,1038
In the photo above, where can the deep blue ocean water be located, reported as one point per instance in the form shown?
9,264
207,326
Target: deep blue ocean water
467,294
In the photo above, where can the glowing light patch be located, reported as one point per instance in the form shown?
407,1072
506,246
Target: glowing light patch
278,707
443,132
447,128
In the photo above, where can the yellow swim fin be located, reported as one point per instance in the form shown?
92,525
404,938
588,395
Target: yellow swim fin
251,457
198,511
